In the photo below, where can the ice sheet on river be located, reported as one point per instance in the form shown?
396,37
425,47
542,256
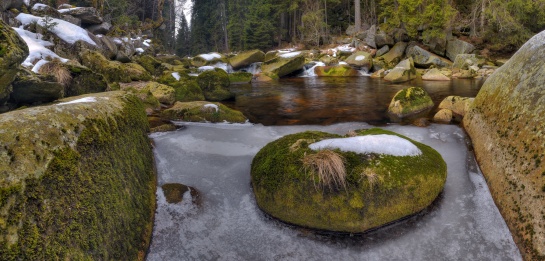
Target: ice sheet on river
464,225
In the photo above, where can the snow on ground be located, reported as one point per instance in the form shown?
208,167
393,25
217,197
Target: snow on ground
139,50
381,144
68,32
211,105
176,76
82,100
205,68
39,65
290,54
147,42
210,56
39,7
62,11
37,48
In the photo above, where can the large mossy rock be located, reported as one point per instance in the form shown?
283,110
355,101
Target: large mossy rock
13,51
394,55
77,180
335,71
360,59
30,88
410,103
163,93
202,111
186,87
246,58
404,71
136,72
425,59
240,77
282,65
84,81
151,64
456,47
208,59
215,85
113,71
378,189
506,123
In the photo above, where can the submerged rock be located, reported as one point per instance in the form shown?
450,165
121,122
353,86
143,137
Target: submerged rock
335,71
201,111
410,103
85,161
13,51
174,192
506,123
373,188
240,77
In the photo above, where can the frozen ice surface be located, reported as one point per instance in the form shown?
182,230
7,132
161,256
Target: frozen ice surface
380,144
464,224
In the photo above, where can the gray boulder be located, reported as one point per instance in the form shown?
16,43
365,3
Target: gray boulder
71,19
43,10
382,50
457,46
383,39
102,28
465,61
109,48
8,4
402,72
425,59
360,59
88,15
13,51
30,88
370,37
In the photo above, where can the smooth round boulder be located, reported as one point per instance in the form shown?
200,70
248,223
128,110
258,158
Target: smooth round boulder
410,103
215,85
378,186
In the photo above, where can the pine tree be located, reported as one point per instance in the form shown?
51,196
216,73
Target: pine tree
182,38
259,27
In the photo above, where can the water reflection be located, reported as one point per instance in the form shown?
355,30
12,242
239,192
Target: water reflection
328,100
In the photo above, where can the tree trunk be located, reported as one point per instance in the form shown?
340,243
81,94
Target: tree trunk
357,15
483,9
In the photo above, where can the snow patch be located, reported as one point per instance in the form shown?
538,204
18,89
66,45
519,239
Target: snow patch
139,50
176,76
68,32
211,105
62,11
205,68
146,42
290,55
343,63
27,2
39,7
210,56
36,47
39,65
381,144
82,100
360,58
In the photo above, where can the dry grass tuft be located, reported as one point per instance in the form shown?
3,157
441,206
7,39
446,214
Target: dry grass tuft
372,177
351,133
328,166
299,143
58,70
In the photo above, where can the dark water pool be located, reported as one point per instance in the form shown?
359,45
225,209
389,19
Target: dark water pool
329,100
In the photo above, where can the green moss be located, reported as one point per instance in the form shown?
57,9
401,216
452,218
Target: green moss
409,101
95,200
113,71
197,112
336,71
215,85
404,185
240,77
136,72
174,192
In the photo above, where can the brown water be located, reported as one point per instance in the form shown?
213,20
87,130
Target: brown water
329,100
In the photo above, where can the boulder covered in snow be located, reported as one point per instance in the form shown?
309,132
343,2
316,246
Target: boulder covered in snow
409,104
335,71
13,51
246,58
87,15
402,72
352,184
360,59
202,111
208,59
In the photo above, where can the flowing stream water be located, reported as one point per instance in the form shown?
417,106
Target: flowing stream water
463,224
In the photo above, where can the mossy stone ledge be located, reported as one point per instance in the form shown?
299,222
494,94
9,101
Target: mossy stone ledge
378,189
202,111
77,180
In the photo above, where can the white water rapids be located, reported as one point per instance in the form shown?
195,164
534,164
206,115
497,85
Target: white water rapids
464,224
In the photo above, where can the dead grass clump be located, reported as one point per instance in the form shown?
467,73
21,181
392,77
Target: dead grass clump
57,70
328,166
372,177
351,133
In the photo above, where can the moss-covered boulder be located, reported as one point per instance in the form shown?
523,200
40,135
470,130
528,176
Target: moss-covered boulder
208,59
335,71
283,65
215,85
435,75
84,81
77,180
163,93
186,87
459,105
377,187
410,103
456,47
246,58
174,192
136,72
113,71
402,72
506,124
13,51
201,111
425,59
360,59
30,88
240,77
394,55
152,65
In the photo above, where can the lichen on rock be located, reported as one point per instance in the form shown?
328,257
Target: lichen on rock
409,103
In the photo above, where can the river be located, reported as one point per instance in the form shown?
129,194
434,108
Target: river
463,224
